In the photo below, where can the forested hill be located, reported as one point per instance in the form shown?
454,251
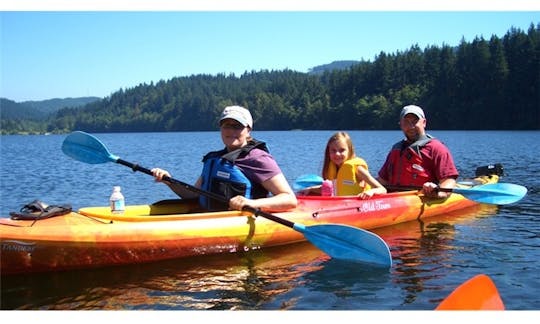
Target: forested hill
53,105
36,110
336,65
484,84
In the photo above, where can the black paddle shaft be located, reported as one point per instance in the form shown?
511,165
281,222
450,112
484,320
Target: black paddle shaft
405,188
254,211
136,167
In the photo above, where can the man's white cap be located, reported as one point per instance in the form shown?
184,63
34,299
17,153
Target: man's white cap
240,114
412,109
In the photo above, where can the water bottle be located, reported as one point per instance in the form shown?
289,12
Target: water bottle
117,201
327,188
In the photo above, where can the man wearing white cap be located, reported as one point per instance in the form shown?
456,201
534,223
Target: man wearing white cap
419,159
244,172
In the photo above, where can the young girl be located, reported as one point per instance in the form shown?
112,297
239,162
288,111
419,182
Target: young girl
348,172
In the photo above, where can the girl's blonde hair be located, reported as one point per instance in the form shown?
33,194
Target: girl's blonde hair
339,136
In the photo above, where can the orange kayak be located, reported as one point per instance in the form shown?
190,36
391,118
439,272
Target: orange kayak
477,293
93,237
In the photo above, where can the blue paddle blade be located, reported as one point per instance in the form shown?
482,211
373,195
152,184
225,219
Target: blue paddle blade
344,242
494,193
86,148
306,181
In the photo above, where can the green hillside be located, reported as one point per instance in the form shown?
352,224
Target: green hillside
485,84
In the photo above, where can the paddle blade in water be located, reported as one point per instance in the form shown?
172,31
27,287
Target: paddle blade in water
86,148
494,193
344,242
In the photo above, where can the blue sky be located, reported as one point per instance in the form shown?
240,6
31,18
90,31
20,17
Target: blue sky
59,54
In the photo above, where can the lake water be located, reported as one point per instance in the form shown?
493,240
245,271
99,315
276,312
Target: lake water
430,259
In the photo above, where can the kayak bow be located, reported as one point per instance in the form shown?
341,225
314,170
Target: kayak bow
477,293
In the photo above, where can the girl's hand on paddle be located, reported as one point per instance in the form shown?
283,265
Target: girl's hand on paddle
366,194
160,173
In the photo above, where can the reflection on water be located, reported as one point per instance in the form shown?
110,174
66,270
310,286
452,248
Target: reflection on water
234,281
422,250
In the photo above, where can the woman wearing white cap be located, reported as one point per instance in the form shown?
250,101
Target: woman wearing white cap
419,159
244,171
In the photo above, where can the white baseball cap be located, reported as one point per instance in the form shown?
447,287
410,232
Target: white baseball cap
412,109
240,114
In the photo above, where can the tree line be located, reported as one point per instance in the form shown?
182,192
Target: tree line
484,84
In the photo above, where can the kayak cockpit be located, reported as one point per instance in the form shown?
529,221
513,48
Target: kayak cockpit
163,210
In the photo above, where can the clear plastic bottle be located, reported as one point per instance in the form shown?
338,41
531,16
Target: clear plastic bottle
327,188
117,201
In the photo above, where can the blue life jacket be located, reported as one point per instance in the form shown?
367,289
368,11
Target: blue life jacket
221,176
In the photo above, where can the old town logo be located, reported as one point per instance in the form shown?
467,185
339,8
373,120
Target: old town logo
18,246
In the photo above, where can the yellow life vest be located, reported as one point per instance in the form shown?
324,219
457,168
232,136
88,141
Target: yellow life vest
346,182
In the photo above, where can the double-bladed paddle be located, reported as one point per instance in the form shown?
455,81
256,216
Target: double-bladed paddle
491,193
338,241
